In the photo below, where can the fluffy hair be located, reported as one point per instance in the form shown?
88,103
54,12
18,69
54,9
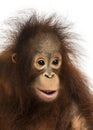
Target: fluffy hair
19,108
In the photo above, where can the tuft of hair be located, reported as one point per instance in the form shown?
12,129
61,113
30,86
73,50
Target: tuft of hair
23,28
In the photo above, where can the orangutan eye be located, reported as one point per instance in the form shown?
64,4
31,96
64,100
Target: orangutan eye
41,62
55,62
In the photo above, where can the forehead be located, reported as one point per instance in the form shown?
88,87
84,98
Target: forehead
46,43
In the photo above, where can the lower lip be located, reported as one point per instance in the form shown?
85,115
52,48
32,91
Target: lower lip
47,97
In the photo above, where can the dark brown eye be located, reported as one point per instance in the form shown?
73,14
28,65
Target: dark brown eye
55,62
41,62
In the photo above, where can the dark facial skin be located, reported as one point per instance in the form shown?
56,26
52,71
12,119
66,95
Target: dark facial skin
47,60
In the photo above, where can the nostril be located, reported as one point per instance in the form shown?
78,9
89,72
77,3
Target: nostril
47,76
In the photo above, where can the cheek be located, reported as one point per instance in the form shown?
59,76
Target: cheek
47,89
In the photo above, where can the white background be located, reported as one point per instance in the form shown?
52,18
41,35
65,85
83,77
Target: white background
79,12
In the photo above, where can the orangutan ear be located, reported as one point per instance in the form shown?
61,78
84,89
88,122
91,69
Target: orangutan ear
14,57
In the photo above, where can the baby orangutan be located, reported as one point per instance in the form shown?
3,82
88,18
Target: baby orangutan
41,88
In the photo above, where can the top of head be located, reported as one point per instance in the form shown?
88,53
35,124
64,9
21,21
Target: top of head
40,33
